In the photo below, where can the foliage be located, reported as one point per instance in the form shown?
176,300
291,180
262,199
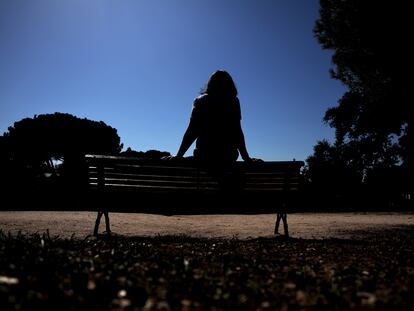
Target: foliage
33,143
332,168
370,41
42,272
149,154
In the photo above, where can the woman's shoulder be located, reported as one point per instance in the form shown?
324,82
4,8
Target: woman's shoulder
201,97
207,97
200,100
208,102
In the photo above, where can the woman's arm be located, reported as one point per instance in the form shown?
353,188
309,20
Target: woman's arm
190,136
241,144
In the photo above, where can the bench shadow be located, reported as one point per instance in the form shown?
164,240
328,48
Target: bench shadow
353,237
382,232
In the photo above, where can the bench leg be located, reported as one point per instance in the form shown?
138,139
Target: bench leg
278,217
283,217
98,221
108,228
285,224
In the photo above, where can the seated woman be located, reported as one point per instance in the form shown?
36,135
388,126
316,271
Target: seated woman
215,125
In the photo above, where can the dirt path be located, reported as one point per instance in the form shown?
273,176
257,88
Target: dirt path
301,225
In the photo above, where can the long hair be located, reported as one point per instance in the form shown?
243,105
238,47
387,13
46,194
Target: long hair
220,83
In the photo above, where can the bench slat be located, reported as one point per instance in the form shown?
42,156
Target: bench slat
168,176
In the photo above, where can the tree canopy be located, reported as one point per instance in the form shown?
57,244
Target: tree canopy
371,56
149,154
58,136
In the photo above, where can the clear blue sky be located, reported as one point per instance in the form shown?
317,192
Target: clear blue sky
137,65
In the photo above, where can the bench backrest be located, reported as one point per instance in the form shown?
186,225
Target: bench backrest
162,176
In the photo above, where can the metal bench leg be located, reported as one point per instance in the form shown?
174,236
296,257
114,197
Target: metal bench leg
285,224
97,222
108,228
279,216
283,217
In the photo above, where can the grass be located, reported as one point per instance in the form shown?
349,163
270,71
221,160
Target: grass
40,272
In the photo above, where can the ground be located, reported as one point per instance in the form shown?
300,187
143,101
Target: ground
334,261
301,225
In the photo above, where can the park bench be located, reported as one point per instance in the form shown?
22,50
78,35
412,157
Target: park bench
173,187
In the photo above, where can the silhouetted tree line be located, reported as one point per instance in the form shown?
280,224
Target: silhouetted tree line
31,148
149,154
43,157
374,131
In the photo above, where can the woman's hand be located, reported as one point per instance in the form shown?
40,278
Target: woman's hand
171,158
251,160
256,160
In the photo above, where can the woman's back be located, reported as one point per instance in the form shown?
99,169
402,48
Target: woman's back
216,119
215,123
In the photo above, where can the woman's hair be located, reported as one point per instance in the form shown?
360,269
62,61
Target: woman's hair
220,83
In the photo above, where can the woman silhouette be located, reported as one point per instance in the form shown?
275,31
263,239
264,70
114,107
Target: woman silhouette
216,124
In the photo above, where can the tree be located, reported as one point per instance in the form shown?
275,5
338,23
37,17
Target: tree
149,154
34,143
370,40
330,169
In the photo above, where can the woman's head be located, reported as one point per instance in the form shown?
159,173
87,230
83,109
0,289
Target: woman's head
221,83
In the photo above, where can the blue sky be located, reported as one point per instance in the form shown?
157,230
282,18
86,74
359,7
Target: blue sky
137,65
